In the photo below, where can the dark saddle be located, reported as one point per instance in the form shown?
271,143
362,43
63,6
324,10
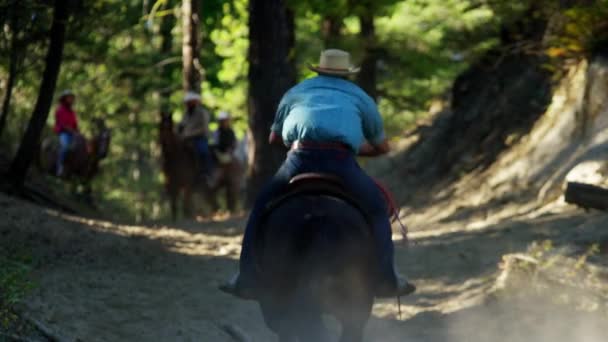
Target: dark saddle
322,184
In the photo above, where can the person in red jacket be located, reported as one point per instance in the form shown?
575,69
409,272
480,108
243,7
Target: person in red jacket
66,126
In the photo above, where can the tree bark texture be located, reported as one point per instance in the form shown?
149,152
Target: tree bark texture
331,30
166,48
191,45
12,67
271,73
29,145
367,78
10,83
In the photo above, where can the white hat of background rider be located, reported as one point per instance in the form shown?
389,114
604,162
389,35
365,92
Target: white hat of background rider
192,96
335,62
66,92
223,116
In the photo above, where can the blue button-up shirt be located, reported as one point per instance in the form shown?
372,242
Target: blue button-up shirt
328,109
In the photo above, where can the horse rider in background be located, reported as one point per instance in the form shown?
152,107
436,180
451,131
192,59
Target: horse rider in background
224,138
66,127
194,128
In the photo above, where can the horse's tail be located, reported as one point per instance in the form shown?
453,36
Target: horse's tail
316,255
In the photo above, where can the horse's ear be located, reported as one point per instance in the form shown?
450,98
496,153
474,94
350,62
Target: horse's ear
100,122
165,115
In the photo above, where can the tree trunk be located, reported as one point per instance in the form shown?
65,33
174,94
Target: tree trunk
271,73
12,68
190,46
367,76
166,48
331,29
12,71
29,144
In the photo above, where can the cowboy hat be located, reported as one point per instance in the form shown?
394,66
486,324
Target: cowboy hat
334,62
65,93
223,116
192,96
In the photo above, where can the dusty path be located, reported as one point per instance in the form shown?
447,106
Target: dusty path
105,282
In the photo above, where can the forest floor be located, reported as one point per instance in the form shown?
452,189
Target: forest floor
100,281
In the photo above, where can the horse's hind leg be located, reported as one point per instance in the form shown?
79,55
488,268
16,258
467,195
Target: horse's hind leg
188,210
354,314
294,321
354,321
232,192
352,332
310,327
88,193
211,197
173,202
174,208
287,337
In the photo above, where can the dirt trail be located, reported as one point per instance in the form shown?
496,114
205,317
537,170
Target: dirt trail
100,281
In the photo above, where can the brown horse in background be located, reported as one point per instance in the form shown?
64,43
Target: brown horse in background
230,180
182,169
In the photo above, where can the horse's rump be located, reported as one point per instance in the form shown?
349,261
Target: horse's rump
49,150
318,250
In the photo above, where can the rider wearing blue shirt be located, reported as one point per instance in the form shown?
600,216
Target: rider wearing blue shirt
327,121
331,109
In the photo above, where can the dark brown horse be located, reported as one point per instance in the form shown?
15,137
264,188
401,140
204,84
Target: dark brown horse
315,257
182,169
82,162
230,180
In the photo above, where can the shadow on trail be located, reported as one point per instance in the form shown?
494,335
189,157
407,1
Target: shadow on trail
453,256
100,281
228,227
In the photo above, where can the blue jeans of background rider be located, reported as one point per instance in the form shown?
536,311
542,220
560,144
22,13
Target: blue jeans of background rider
362,186
202,148
65,142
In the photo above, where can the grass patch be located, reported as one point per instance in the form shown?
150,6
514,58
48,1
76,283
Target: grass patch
15,284
562,274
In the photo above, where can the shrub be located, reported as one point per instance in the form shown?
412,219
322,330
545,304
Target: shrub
14,286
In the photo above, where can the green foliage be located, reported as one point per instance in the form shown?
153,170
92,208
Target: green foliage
582,31
113,61
230,41
14,286
425,46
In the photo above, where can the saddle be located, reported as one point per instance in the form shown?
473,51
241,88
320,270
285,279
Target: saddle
317,184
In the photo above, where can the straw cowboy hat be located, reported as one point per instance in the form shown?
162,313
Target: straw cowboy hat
192,96
335,62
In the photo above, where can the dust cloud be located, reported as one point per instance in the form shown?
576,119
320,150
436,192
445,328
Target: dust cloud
521,320
529,318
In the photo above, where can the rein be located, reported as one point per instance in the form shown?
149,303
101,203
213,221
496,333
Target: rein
393,209
394,214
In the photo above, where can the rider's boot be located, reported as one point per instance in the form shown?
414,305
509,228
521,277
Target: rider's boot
394,285
236,287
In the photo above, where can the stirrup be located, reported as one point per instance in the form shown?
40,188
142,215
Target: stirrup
232,287
400,289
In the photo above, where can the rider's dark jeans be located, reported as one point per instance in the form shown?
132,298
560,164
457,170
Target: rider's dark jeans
337,162
202,148
65,142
